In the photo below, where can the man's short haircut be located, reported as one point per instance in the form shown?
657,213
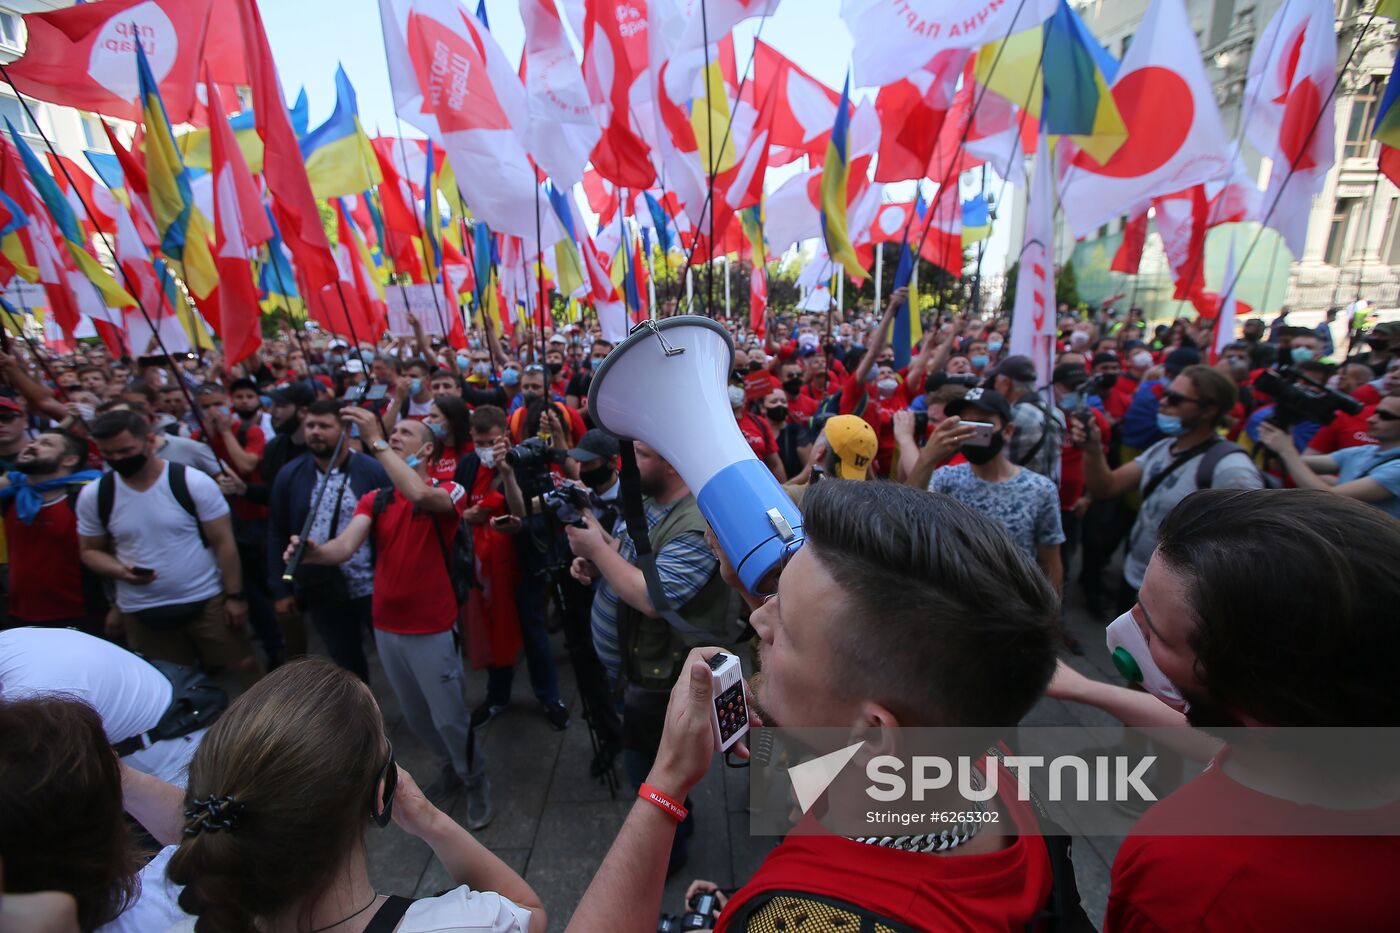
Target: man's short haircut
109,425
143,389
390,361
83,370
121,404
244,383
209,388
1239,346
1213,388
418,363
325,406
1358,371
946,393
487,417
444,374
944,620
73,445
1294,594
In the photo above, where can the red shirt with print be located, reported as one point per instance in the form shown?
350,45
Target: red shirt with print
413,594
1344,431
758,435
1165,880
444,468
1001,890
801,408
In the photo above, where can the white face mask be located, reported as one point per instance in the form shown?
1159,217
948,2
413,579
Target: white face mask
736,397
1131,655
487,455
1142,360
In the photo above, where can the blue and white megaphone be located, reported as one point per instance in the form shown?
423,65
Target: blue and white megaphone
666,386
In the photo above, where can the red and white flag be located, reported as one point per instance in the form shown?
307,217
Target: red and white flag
894,38
83,56
912,112
452,81
615,71
607,303
240,225
1181,223
1033,318
1290,113
562,130
1175,139
804,111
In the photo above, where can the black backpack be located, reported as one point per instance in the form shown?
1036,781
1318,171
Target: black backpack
460,559
179,487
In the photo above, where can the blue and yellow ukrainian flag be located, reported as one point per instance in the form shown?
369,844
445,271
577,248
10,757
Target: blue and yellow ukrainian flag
1386,129
183,231
836,176
62,212
432,219
339,158
976,220
908,327
276,283
196,154
751,220
568,263
10,243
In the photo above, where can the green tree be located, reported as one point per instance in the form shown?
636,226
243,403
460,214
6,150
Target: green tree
1066,288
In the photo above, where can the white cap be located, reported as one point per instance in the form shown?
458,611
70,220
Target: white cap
354,366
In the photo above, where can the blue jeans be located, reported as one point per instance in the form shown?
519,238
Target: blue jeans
539,656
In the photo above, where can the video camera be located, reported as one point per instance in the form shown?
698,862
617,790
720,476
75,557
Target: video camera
699,917
535,455
1300,398
568,503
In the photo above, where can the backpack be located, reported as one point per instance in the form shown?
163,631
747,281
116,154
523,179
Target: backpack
179,487
1209,453
460,560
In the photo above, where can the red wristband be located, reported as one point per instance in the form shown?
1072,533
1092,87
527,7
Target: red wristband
664,801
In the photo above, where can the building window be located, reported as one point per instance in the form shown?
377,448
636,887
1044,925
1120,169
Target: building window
9,31
11,110
1363,113
1341,228
94,134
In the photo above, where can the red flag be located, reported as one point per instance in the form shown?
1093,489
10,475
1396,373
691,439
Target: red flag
806,108
57,270
614,59
236,315
82,56
137,189
293,204
911,114
1129,255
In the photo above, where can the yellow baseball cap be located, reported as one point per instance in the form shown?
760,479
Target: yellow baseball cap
853,441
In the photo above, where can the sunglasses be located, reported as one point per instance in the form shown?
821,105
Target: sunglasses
389,776
1176,398
7,416
1387,415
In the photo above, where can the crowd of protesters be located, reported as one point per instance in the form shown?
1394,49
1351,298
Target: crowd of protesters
177,529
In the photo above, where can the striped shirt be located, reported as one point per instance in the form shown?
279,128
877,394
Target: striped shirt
684,565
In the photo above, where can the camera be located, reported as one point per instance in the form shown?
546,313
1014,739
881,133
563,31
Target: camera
568,503
936,381
1299,398
1098,384
534,455
699,917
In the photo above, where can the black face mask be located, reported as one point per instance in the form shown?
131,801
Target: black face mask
129,466
596,477
555,368
981,455
792,386
736,375
755,365
777,413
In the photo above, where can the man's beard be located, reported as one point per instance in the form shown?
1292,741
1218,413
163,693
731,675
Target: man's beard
755,682
320,448
38,466
246,415
649,487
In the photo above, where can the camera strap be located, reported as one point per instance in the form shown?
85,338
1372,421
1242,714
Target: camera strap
635,516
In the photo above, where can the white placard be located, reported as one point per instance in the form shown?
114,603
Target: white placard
425,301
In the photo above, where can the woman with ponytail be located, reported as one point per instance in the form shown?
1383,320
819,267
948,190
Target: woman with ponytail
280,796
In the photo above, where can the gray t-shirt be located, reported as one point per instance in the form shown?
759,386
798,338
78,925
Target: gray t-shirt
1234,471
191,453
1028,504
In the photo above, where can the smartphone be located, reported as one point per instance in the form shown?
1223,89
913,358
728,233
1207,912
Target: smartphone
376,392
982,435
730,716
500,521
142,571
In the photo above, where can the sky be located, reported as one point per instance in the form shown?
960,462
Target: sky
310,37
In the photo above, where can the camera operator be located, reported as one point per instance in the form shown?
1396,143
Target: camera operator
902,609
1191,456
1248,635
1370,473
636,646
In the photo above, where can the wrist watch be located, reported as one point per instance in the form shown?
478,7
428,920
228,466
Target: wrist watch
379,446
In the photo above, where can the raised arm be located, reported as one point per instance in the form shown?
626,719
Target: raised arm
881,335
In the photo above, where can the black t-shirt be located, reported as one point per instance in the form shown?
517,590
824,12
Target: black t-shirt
578,385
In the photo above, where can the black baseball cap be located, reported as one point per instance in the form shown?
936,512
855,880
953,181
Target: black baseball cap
298,394
1104,356
1015,368
985,399
595,444
1179,359
1069,375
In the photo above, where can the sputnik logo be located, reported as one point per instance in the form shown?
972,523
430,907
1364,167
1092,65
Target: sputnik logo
811,778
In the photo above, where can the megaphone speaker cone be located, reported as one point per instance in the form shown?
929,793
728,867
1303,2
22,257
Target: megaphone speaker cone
665,385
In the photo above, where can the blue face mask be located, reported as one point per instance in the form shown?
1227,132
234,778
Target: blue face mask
979,360
412,461
266,400
438,428
1170,425
464,363
1070,402
511,377
993,346
1302,355
416,386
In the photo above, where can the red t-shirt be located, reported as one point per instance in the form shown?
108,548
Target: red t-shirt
412,593
1120,396
1072,463
1001,890
1344,431
46,577
253,443
1244,882
878,413
801,408
759,436
445,467
1367,395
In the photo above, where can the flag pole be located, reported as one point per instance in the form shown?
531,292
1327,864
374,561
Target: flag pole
710,164
92,217
539,266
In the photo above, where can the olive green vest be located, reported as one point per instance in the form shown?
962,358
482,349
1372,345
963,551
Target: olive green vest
653,652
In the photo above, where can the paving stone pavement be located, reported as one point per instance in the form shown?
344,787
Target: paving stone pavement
554,823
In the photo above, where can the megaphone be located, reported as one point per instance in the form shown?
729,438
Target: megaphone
666,385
